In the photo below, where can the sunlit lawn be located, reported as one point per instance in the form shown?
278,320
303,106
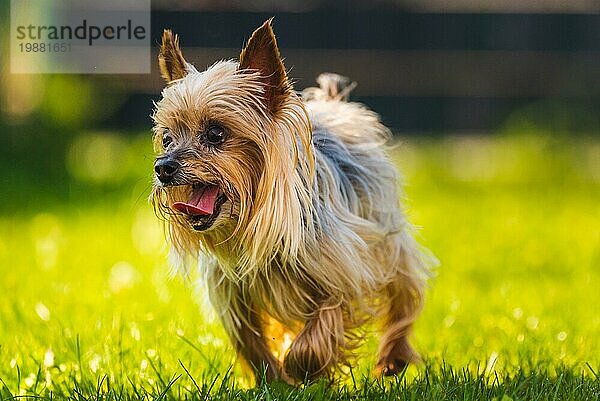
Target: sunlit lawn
87,308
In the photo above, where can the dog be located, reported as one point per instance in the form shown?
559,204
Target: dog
292,205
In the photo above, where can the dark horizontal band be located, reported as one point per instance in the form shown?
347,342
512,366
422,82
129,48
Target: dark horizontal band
345,28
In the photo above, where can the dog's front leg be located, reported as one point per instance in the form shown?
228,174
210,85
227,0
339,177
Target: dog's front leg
245,328
319,347
252,346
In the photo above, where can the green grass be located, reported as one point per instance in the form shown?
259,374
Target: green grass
88,311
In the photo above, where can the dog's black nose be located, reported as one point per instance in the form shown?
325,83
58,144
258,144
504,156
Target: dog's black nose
165,169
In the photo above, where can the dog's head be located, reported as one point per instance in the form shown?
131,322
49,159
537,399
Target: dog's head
228,141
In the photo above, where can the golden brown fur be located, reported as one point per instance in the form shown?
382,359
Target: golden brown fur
311,238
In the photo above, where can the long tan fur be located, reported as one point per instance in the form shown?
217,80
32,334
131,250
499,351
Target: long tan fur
312,235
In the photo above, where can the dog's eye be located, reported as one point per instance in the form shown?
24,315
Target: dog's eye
215,135
167,140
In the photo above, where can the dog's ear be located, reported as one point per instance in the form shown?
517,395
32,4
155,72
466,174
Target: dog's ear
170,59
262,54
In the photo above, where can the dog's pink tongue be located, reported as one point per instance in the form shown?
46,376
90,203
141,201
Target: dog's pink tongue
201,203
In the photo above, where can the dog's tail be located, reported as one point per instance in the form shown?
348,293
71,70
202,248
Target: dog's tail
331,87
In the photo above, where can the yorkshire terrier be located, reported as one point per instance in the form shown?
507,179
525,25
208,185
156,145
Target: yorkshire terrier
292,206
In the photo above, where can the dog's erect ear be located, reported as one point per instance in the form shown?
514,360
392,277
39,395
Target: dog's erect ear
170,59
261,53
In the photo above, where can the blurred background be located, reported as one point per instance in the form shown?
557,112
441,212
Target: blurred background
429,67
495,104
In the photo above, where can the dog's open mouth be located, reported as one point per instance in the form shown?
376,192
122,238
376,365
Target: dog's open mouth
203,206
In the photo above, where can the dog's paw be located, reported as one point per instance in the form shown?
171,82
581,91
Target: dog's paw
390,367
305,363
394,357
301,363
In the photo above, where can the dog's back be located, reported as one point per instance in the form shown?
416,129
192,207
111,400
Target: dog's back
349,151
